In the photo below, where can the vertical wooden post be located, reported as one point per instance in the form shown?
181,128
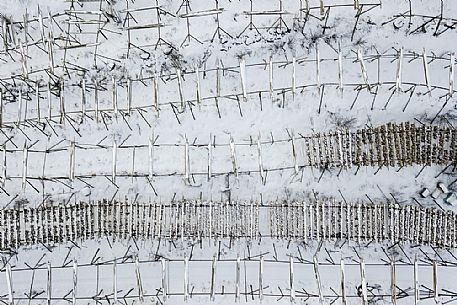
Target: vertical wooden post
237,279
186,162
138,280
75,282
416,282
114,161
451,74
343,282
318,279
24,166
291,279
163,263
340,71
199,94
49,284
213,278
151,157
270,76
261,265
9,282
436,294
426,72
115,282
364,282
186,278
243,78
398,78
393,282
83,98
96,101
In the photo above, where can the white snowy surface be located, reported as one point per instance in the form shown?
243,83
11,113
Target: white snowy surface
95,273
260,115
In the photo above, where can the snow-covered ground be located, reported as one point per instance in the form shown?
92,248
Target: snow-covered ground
100,100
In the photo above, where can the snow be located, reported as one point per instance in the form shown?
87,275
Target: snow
318,105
